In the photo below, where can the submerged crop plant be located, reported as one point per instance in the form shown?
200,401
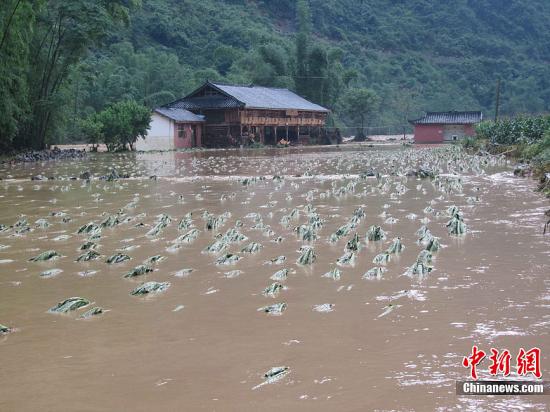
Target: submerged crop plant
354,244
456,226
275,309
45,256
347,259
228,259
69,305
138,271
51,273
117,258
95,311
433,245
189,237
273,290
324,307
273,375
307,256
396,246
422,266
89,255
279,260
150,287
382,259
280,275
252,247
333,274
162,222
374,273
375,233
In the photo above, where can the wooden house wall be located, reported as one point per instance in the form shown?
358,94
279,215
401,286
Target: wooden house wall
258,117
224,127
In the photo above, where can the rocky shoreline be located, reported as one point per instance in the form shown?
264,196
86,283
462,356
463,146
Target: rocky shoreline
46,155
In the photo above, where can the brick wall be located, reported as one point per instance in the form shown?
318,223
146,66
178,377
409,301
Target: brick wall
428,133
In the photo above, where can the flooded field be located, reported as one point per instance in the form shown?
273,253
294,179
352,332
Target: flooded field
300,279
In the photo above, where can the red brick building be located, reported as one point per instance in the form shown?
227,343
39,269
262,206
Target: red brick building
440,127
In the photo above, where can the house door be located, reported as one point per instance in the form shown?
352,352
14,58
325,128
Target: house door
453,132
193,133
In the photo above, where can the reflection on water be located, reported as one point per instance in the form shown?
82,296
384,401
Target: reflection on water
351,341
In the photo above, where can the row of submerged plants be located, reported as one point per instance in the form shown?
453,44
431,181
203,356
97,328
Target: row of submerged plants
237,233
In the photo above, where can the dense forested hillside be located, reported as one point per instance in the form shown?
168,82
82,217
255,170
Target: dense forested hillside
415,55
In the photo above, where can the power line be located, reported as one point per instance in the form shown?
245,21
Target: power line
310,77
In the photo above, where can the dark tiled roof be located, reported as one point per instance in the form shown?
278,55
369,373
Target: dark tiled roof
450,118
258,97
179,114
207,102
250,97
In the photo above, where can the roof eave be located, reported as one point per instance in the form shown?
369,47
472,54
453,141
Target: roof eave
175,120
323,110
441,123
162,114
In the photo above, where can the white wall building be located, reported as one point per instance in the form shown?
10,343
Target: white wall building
172,129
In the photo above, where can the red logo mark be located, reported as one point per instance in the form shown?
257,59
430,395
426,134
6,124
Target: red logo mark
500,362
473,360
529,362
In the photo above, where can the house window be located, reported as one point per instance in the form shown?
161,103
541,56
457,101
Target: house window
181,131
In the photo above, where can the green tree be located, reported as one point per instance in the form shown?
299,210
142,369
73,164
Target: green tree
64,32
171,46
121,124
267,65
151,76
359,106
303,21
16,22
224,56
91,130
325,75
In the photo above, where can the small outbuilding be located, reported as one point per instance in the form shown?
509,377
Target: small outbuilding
440,127
172,128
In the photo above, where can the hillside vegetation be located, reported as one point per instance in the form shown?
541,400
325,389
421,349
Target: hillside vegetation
414,55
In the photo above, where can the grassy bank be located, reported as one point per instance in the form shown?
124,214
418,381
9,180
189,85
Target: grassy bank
524,139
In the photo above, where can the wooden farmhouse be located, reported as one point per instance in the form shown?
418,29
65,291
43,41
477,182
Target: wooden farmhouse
238,115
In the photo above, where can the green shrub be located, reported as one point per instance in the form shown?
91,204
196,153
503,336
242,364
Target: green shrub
91,130
472,143
520,130
256,145
118,126
541,152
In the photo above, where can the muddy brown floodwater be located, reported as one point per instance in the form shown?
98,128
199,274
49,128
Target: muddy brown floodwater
202,344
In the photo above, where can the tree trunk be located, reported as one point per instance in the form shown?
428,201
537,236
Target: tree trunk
7,29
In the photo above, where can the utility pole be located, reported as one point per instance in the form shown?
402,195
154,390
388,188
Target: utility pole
497,105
